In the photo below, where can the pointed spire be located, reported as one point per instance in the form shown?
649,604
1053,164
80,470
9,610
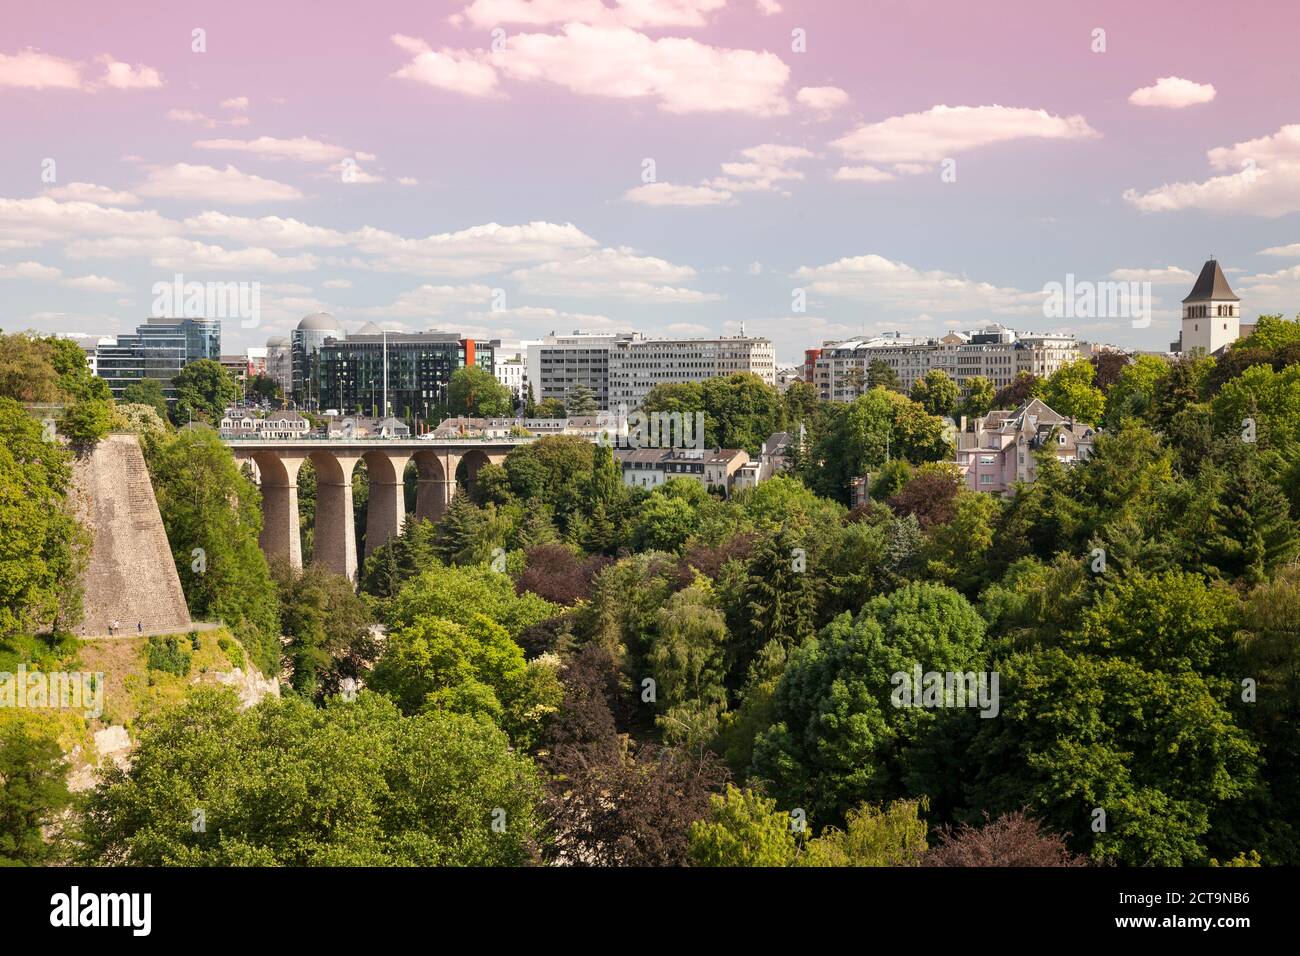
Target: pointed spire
1211,285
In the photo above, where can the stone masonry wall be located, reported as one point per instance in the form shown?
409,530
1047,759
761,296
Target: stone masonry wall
131,577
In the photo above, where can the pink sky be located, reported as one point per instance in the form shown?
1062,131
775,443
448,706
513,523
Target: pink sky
521,168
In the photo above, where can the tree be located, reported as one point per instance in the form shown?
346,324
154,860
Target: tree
1272,332
1134,391
288,784
664,522
936,393
880,374
687,660
890,835
979,398
1013,839
27,372
1158,751
265,387
458,593
42,547
743,828
930,496
75,379
1070,391
86,421
33,791
838,731
204,390
147,391
474,668
580,401
475,392
1022,388
776,601
213,516
328,629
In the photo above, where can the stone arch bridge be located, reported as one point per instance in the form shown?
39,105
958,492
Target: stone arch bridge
276,464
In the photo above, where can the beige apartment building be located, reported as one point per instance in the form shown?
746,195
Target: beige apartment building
638,365
840,370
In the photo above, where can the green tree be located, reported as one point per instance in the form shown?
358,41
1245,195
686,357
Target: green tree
213,517
288,784
33,792
936,393
147,391
838,730
1134,394
1070,391
42,547
458,593
979,397
475,392
687,660
580,401
890,835
743,828
327,626
204,390
880,374
1272,332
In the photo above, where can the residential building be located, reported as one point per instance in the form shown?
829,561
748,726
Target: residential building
560,363
771,461
159,349
998,450
510,365
412,368
638,365
715,469
841,370
239,423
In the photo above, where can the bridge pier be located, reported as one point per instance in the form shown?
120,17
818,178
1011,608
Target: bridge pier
334,545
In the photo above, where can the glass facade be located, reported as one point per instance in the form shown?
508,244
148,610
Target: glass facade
351,372
159,349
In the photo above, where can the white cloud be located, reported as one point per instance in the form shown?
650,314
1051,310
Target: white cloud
613,273
1166,276
681,74
1172,92
29,270
302,148
43,219
896,285
239,103
94,283
407,181
863,174
822,99
1260,177
943,131
434,300
89,192
30,69
181,255
475,251
672,194
124,76
207,183
336,284
275,232
1289,250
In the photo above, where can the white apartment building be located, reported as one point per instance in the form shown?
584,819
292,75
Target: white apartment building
638,365
840,370
510,364
560,363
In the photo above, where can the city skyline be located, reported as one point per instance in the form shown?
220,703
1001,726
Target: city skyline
498,183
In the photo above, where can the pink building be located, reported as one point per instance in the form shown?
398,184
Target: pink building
999,450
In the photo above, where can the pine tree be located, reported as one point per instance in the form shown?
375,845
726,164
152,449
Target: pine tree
460,534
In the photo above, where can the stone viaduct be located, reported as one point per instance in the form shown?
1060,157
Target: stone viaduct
276,464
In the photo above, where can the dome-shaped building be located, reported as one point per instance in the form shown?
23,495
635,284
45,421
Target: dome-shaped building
306,340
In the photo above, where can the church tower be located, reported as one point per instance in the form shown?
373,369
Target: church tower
1211,312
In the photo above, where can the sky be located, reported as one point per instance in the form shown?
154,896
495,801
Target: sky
809,170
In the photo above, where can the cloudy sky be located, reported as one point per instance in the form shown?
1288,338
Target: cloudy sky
510,168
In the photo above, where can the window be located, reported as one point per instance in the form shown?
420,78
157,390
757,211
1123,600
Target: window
986,479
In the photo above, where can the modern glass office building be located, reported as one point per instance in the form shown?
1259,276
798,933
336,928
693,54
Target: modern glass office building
159,349
420,364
